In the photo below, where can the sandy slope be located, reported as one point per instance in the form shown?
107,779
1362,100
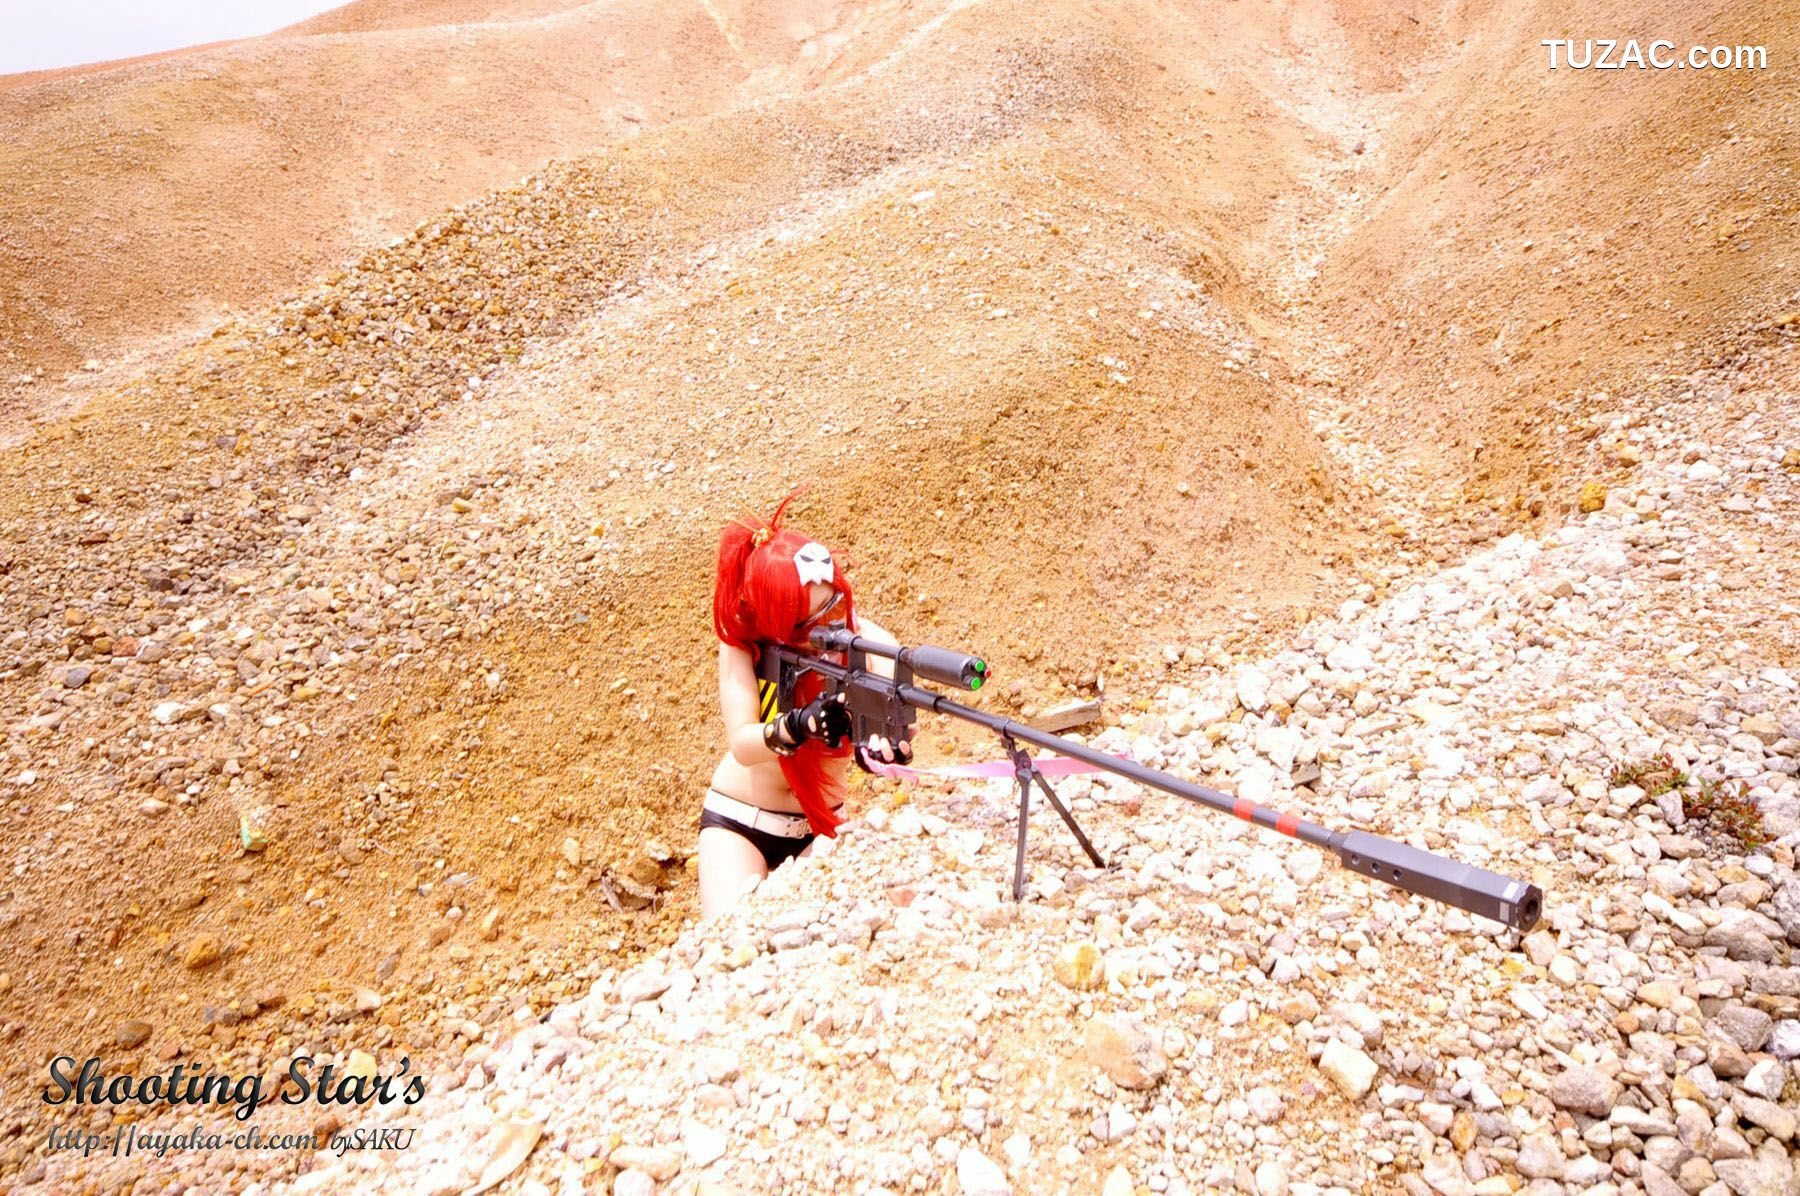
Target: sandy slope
1545,233
1080,318
145,199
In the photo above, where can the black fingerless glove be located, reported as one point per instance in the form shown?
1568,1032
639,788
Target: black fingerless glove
825,717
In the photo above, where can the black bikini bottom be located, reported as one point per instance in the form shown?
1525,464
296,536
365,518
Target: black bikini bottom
776,849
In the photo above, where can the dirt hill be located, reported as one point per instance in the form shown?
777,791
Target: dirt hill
1082,322
1539,235
143,201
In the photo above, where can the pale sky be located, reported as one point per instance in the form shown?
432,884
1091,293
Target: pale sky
38,34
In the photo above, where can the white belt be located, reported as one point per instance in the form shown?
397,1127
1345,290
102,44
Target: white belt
788,826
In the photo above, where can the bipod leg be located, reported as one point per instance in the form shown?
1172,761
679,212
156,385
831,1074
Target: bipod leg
1069,818
1024,770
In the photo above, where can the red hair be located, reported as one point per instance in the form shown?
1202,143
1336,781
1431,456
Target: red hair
758,598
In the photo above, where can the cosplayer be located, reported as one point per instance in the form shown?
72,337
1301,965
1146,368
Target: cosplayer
781,781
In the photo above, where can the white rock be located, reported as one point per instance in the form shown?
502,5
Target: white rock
1780,678
632,1182
1766,1079
1545,790
1265,1104
1445,760
1351,1070
1436,1117
1444,1173
701,1143
1528,1003
1703,471
1540,1157
1784,1043
1432,714
1252,688
1603,560
1280,745
1203,714
979,1175
1256,783
645,984
657,1162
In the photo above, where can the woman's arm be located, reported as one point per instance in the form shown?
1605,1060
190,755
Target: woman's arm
737,701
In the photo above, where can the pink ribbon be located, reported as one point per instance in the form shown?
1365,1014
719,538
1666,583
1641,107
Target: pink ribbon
1050,766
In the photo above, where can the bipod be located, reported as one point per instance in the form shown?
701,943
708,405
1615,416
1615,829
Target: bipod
1026,770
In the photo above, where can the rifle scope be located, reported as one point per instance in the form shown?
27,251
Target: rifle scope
946,666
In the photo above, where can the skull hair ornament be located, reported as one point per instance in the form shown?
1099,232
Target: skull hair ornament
813,563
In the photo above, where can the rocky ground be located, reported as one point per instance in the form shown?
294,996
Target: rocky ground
1220,1009
354,656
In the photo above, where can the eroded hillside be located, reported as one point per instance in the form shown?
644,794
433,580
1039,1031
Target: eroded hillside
1081,322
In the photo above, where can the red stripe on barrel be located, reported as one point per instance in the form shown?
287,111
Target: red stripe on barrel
1243,808
1287,824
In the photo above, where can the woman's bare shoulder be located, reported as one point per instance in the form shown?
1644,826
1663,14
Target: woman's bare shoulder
735,662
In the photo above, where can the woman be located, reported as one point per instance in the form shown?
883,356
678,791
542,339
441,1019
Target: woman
781,781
